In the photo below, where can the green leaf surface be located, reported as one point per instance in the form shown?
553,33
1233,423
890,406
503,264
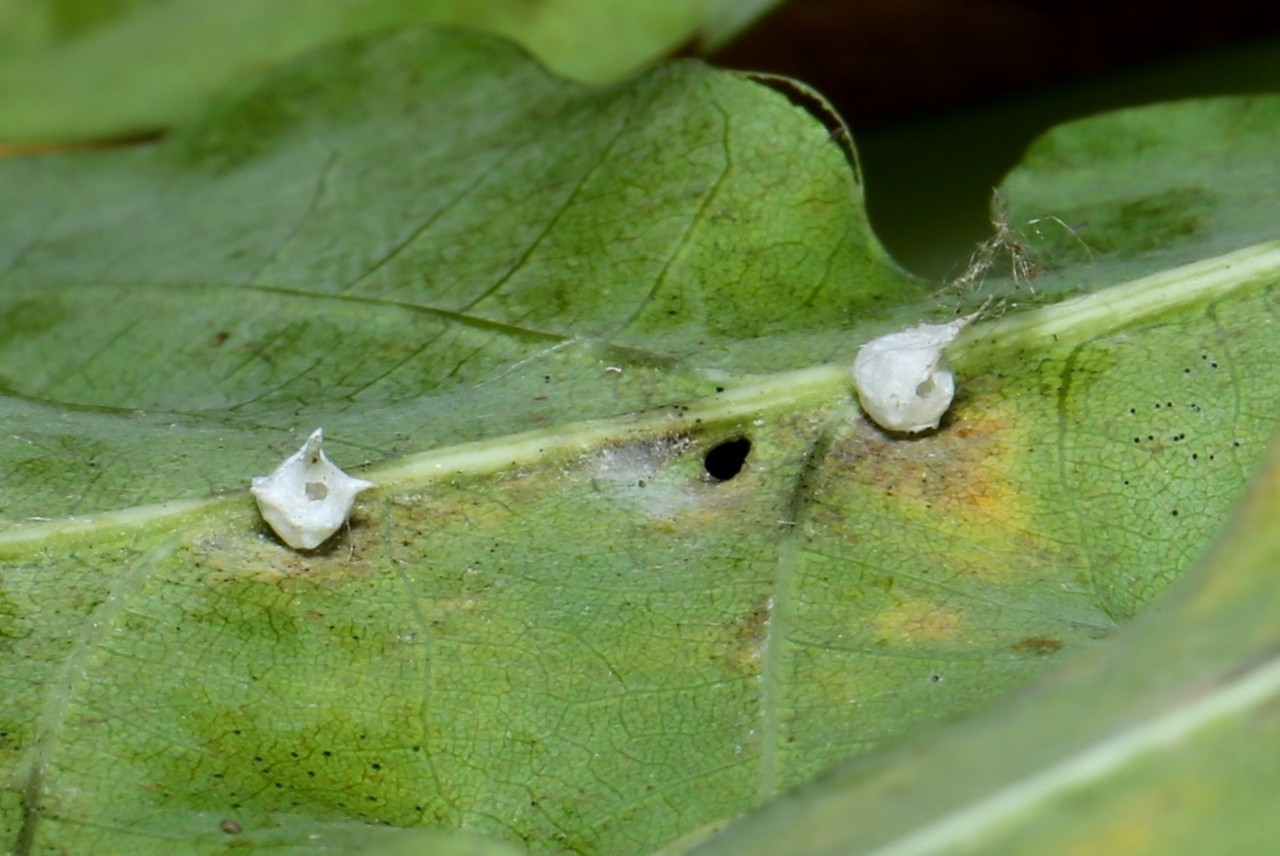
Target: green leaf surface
531,311
1162,741
88,69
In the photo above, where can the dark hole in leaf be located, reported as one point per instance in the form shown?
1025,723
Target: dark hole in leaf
725,460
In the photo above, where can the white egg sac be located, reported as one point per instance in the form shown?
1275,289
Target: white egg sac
902,379
307,498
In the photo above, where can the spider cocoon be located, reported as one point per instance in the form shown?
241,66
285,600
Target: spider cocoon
307,498
903,380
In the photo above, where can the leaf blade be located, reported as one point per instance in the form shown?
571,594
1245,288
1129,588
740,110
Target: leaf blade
571,632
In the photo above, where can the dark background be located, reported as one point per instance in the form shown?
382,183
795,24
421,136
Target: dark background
943,96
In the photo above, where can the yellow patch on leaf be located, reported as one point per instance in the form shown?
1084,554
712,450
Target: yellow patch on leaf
918,623
959,475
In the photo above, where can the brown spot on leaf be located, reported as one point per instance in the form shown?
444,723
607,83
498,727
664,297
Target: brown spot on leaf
748,634
1038,645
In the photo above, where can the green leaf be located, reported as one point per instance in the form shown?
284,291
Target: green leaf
540,317
87,69
1159,742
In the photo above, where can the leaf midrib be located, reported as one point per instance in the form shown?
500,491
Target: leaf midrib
1060,325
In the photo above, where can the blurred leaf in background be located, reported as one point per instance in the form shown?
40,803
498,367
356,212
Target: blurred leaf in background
93,69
